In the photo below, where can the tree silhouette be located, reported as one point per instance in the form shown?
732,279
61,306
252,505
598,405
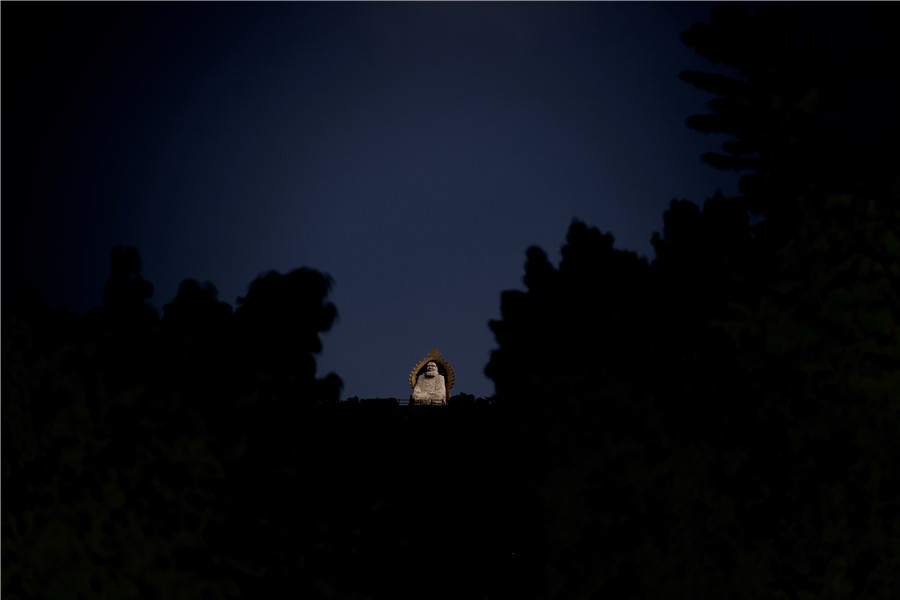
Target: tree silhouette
126,294
719,423
193,339
277,325
731,432
821,324
137,459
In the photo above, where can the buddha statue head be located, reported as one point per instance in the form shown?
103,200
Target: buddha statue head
431,369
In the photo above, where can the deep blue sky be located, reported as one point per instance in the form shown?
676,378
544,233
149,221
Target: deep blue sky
411,151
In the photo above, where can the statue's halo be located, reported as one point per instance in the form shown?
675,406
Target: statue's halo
436,357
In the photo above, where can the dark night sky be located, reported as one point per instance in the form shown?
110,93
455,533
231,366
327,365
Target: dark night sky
411,151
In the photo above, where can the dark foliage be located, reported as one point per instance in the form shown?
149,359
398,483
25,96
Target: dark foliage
158,458
198,456
720,423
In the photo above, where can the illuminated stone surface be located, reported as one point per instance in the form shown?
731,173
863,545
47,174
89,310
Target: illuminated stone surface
431,380
431,388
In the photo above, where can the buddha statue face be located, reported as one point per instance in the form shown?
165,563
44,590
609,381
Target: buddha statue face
431,369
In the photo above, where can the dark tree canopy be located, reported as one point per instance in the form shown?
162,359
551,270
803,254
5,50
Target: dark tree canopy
278,323
720,422
140,455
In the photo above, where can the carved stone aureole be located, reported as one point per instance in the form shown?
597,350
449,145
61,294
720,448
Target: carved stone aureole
431,380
